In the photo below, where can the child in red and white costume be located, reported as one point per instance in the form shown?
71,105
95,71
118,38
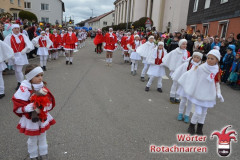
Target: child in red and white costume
135,57
43,43
25,106
127,41
146,51
69,45
173,60
61,49
156,69
201,86
6,53
110,45
193,62
48,34
20,45
98,40
56,40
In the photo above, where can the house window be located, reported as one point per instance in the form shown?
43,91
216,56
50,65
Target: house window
45,19
15,16
205,29
223,26
105,23
44,6
11,1
1,10
207,4
27,5
19,2
195,7
193,27
224,1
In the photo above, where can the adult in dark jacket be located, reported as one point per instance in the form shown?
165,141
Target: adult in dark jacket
227,64
31,31
1,30
174,44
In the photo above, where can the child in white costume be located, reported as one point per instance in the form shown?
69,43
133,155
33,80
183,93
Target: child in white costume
6,53
156,68
145,51
32,102
201,87
21,45
135,57
43,43
173,60
191,64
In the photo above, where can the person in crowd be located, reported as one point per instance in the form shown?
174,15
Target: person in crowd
31,98
25,30
235,72
197,44
156,69
172,61
20,45
1,31
227,63
216,42
174,44
43,43
135,57
6,53
223,50
193,62
145,51
98,40
201,86
31,35
205,48
69,40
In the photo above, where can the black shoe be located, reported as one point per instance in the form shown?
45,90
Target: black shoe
159,90
142,79
18,85
67,62
191,129
147,89
172,100
71,63
44,68
177,101
2,95
199,129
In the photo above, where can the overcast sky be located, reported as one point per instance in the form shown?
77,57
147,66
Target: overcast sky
81,9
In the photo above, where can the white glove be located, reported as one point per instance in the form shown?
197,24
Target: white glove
220,97
13,58
104,44
29,108
37,45
24,51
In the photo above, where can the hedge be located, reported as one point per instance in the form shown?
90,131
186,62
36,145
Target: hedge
28,15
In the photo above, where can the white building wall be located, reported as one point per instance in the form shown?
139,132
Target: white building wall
139,10
175,12
99,24
54,13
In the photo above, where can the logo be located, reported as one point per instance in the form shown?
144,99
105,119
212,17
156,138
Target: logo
23,89
212,76
224,141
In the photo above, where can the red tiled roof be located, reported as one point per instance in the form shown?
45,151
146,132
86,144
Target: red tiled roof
100,17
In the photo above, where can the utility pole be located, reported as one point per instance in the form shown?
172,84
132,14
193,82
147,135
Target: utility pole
127,14
92,12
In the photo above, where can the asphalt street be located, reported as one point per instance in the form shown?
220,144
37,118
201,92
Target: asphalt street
103,113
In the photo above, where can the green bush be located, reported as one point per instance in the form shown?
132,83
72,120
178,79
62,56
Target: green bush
28,15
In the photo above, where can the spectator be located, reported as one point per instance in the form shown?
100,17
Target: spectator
205,48
216,42
25,29
174,44
31,31
235,71
238,42
227,63
197,44
223,49
1,30
232,36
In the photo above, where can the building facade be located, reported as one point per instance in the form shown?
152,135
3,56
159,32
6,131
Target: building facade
12,6
106,19
48,11
167,15
214,17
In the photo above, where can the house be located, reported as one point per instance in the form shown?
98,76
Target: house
48,11
12,6
214,17
84,23
106,19
167,15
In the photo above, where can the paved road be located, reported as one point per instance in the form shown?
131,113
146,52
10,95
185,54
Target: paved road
103,113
